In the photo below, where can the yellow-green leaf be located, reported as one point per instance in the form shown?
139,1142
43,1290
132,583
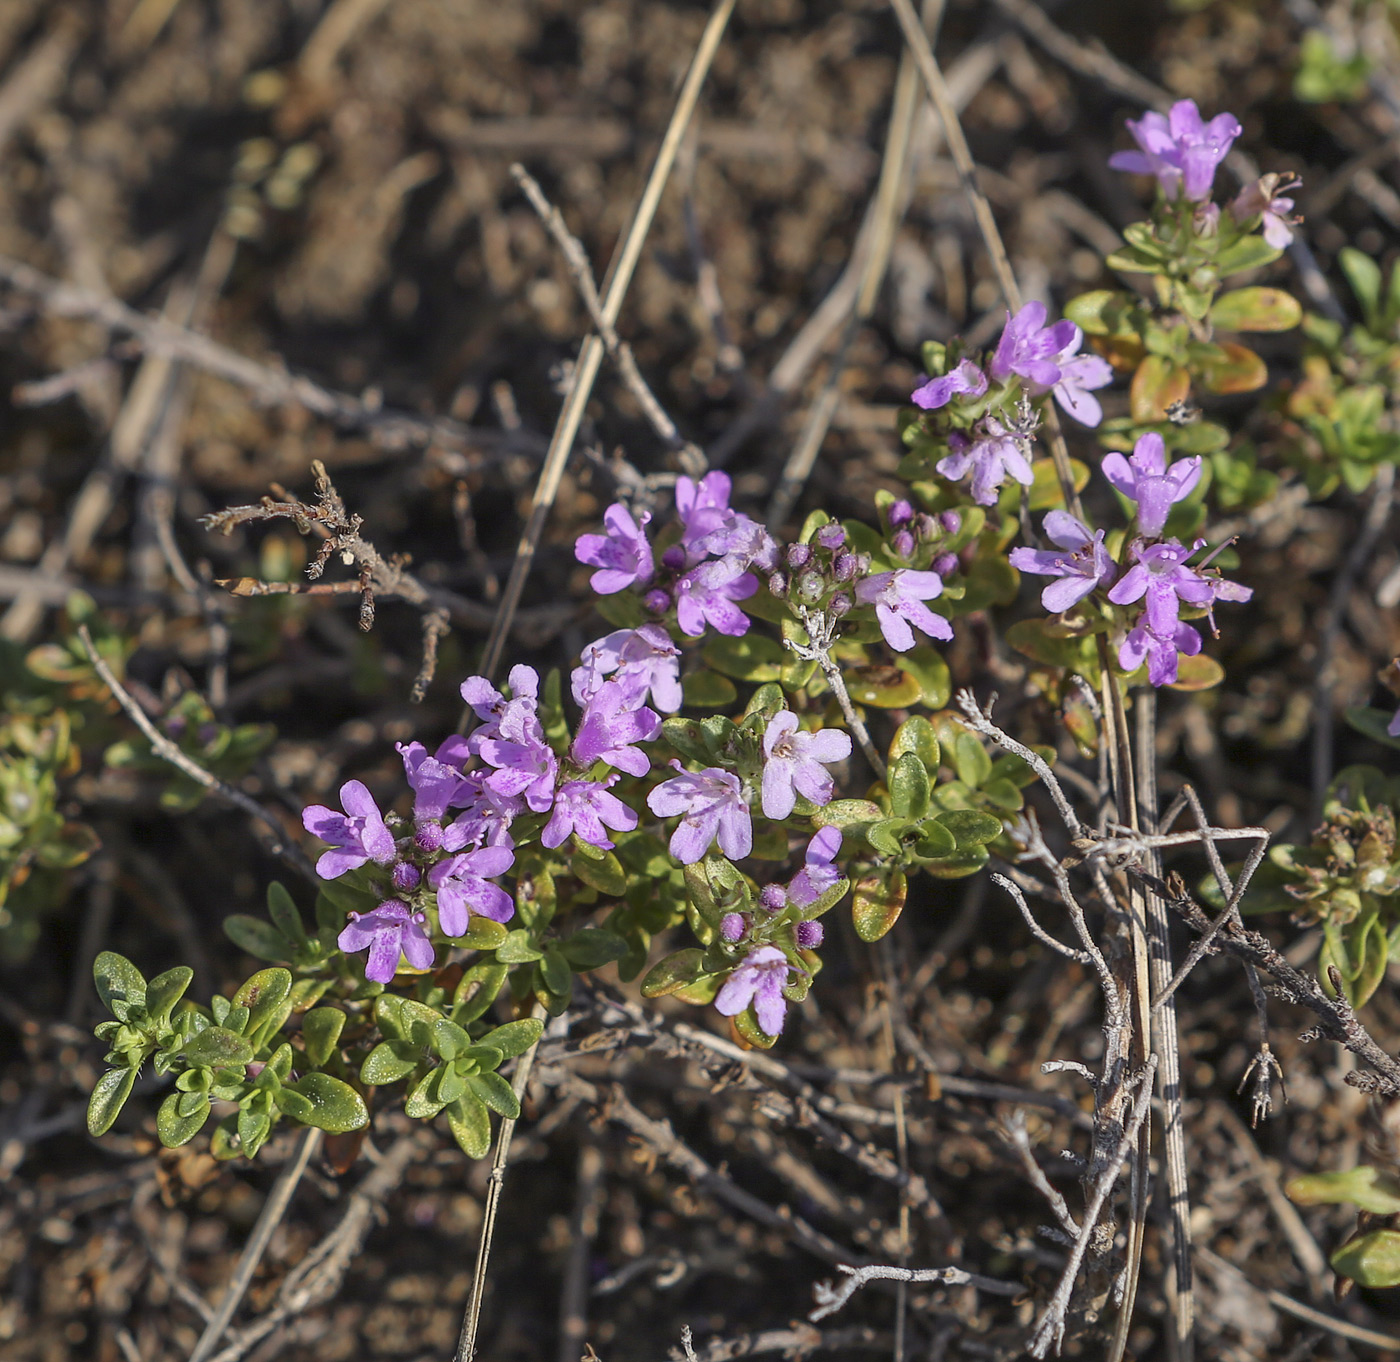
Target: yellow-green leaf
1256,309
877,903
1156,386
883,686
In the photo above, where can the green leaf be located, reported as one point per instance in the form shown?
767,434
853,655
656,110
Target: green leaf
970,760
174,1128
291,1103
1369,1189
1373,723
518,949
1046,493
554,970
119,984
1256,309
216,1047
284,914
1197,673
483,934
337,1106
927,666
1364,276
476,991
877,903
688,738
514,1038
916,735
970,827
885,835
847,813
108,1097
909,787
606,876
1371,1260
1248,253
449,1040
496,1093
709,690
265,996
1004,794
1101,312
675,972
320,1029
1156,385
165,990
623,609
934,840
1132,260
753,657
470,1124
388,1062
257,937
883,686
964,862
592,948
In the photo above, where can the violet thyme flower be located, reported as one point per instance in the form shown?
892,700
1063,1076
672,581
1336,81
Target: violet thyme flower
1180,149
586,807
463,884
758,980
820,871
993,456
898,598
356,836
796,763
388,930
622,555
705,597
1263,199
640,660
435,781
1146,479
703,507
1159,650
1081,561
711,805
611,725
525,765
1079,375
1029,348
965,377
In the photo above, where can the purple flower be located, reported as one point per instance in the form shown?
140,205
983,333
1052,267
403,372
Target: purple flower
759,980
622,555
966,377
711,805
490,706
1079,374
1263,200
830,536
705,596
898,598
463,884
433,780
702,506
1160,651
809,935
732,927
1081,564
486,819
585,807
525,766
405,876
1179,149
1028,347
820,871
611,724
1393,727
796,763
1146,480
639,660
390,929
356,836
1159,573
899,514
994,456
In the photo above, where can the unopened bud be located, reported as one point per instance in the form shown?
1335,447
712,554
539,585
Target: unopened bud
951,522
778,584
845,566
810,587
903,544
1206,219
405,876
773,897
673,558
809,935
840,604
945,563
926,527
831,537
799,555
901,513
428,837
657,601
731,927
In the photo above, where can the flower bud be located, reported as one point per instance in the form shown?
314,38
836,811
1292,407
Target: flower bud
1206,219
810,587
778,584
831,537
773,897
845,566
926,527
405,876
799,555
903,544
809,935
951,522
900,514
657,601
839,604
673,558
428,837
945,563
731,927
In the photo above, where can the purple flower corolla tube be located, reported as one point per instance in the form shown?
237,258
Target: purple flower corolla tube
525,765
898,598
390,929
702,506
796,763
965,377
1161,651
992,457
356,836
705,597
463,884
1263,200
1029,348
622,555
758,980
587,808
711,805
1180,149
820,872
1079,376
1146,479
640,660
611,725
435,782
1081,562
